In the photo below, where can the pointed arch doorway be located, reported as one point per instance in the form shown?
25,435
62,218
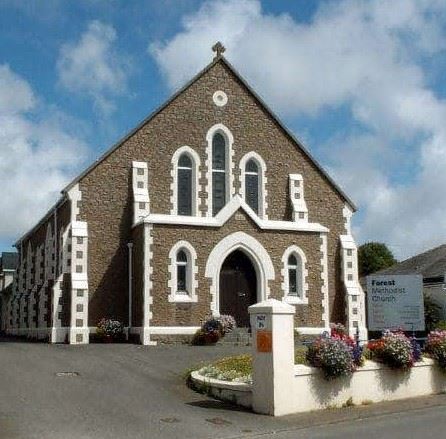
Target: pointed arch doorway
238,287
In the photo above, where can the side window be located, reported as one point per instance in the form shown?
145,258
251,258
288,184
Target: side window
295,273
252,185
184,192
219,182
182,272
182,280
293,276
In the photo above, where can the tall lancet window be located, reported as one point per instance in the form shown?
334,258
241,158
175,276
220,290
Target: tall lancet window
182,272
184,192
252,185
219,172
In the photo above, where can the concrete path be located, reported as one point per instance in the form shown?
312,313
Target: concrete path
130,391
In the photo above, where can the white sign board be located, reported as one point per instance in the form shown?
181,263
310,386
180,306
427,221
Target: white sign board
395,301
261,321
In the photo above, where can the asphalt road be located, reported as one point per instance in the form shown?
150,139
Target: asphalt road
131,391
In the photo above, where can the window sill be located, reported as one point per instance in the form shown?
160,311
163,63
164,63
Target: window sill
294,300
182,298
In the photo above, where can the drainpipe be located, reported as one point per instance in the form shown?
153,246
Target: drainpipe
130,246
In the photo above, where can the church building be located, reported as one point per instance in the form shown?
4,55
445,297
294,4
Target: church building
208,206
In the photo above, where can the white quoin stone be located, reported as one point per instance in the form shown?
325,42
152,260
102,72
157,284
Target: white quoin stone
273,371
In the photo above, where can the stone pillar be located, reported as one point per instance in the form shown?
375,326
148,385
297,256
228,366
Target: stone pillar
272,324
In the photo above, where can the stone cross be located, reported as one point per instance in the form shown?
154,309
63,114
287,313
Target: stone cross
218,48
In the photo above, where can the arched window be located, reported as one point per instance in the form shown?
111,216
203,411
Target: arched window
184,192
182,272
293,276
218,173
252,185
294,272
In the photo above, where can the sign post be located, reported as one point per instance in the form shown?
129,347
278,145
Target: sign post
395,302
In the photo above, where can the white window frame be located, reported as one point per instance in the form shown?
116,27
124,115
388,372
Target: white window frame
229,141
263,205
302,298
191,274
195,158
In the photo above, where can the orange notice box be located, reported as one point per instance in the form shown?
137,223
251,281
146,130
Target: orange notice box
264,341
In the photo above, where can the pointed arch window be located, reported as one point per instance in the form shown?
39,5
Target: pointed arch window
219,172
182,271
184,190
294,272
252,185
293,276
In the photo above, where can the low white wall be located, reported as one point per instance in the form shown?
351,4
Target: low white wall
373,382
236,393
309,390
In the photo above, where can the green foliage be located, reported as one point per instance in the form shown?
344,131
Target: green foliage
432,314
441,325
300,355
374,256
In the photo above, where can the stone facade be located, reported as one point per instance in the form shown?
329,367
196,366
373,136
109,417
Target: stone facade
103,200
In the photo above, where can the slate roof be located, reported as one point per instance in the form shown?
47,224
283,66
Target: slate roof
431,264
8,260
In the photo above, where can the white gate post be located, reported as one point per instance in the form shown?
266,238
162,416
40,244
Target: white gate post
272,324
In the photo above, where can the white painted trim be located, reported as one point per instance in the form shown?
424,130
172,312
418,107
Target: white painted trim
324,277
254,250
297,198
147,283
305,330
230,166
173,330
263,204
226,213
140,194
220,98
191,273
196,174
298,300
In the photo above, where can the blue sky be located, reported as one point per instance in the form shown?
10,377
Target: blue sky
360,82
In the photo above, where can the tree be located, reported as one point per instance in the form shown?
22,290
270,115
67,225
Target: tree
374,256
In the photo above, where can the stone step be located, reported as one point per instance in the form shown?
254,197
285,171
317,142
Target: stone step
238,337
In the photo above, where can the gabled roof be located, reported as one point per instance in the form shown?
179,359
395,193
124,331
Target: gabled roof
430,264
216,60
9,260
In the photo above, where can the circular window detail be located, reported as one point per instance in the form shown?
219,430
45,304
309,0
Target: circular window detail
220,98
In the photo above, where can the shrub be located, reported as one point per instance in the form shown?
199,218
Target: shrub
441,325
436,347
395,350
110,328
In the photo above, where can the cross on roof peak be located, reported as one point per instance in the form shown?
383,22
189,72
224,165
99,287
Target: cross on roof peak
218,48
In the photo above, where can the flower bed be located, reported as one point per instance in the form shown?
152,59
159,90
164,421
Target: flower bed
337,355
395,350
436,347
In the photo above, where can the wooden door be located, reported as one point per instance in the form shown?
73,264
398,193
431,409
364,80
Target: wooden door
238,287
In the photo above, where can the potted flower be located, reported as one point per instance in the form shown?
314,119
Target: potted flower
110,330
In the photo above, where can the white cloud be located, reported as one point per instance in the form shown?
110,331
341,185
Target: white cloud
38,153
368,56
93,66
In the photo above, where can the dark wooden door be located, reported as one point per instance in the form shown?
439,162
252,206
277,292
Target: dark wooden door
238,287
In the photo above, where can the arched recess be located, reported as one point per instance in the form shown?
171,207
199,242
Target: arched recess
254,250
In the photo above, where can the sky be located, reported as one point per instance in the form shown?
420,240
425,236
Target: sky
360,83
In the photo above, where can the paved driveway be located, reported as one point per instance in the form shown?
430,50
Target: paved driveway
131,391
